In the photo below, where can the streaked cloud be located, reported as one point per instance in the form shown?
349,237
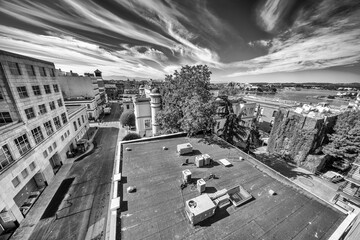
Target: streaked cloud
152,38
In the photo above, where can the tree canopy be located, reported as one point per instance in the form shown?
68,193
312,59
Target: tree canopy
232,131
131,136
345,141
127,118
187,103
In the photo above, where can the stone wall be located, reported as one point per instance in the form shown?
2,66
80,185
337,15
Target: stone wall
298,136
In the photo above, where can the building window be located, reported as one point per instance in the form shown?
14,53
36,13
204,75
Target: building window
37,91
52,72
5,117
1,96
64,118
22,92
56,88
48,127
68,132
79,122
147,123
25,173
57,123
14,68
5,157
127,106
88,106
82,117
54,145
60,103
32,166
75,126
45,154
42,109
50,149
65,134
47,89
23,145
37,134
29,113
30,70
274,113
42,71
16,181
52,105
62,138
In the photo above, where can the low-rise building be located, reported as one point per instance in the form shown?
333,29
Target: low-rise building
82,90
36,131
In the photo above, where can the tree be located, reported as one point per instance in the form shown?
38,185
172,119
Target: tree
127,118
345,141
187,104
233,130
131,136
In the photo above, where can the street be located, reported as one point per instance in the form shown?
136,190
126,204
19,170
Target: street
83,211
116,110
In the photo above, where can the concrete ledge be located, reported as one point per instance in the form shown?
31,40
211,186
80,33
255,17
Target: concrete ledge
112,232
115,203
117,177
115,189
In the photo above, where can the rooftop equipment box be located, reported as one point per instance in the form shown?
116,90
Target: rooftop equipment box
199,161
201,185
186,175
199,208
184,148
207,159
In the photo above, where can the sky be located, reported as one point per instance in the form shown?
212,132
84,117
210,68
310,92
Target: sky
240,41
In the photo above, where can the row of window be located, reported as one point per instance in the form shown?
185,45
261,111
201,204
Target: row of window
30,113
50,149
23,93
65,135
23,144
79,122
30,69
24,173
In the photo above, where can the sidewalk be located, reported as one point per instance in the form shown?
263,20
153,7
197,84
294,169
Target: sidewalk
29,223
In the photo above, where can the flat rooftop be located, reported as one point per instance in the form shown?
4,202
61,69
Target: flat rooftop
156,209
71,109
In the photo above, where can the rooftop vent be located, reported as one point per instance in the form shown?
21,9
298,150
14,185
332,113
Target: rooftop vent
128,149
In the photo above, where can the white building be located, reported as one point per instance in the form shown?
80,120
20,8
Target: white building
82,90
36,130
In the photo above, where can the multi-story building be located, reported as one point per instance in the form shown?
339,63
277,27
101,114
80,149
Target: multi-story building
82,90
35,132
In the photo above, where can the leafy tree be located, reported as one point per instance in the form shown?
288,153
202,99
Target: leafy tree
233,130
186,102
345,141
127,118
131,136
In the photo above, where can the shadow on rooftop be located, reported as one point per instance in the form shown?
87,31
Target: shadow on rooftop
220,213
214,140
286,167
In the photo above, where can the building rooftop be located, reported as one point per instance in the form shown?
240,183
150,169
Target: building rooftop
72,109
156,209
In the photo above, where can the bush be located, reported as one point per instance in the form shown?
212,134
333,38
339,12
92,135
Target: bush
127,118
131,136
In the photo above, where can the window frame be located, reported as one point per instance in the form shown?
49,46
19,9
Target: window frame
42,71
56,88
48,128
47,89
57,122
63,116
37,134
75,127
52,105
60,102
23,149
4,119
30,113
22,91
41,109
6,153
14,68
30,70
36,90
